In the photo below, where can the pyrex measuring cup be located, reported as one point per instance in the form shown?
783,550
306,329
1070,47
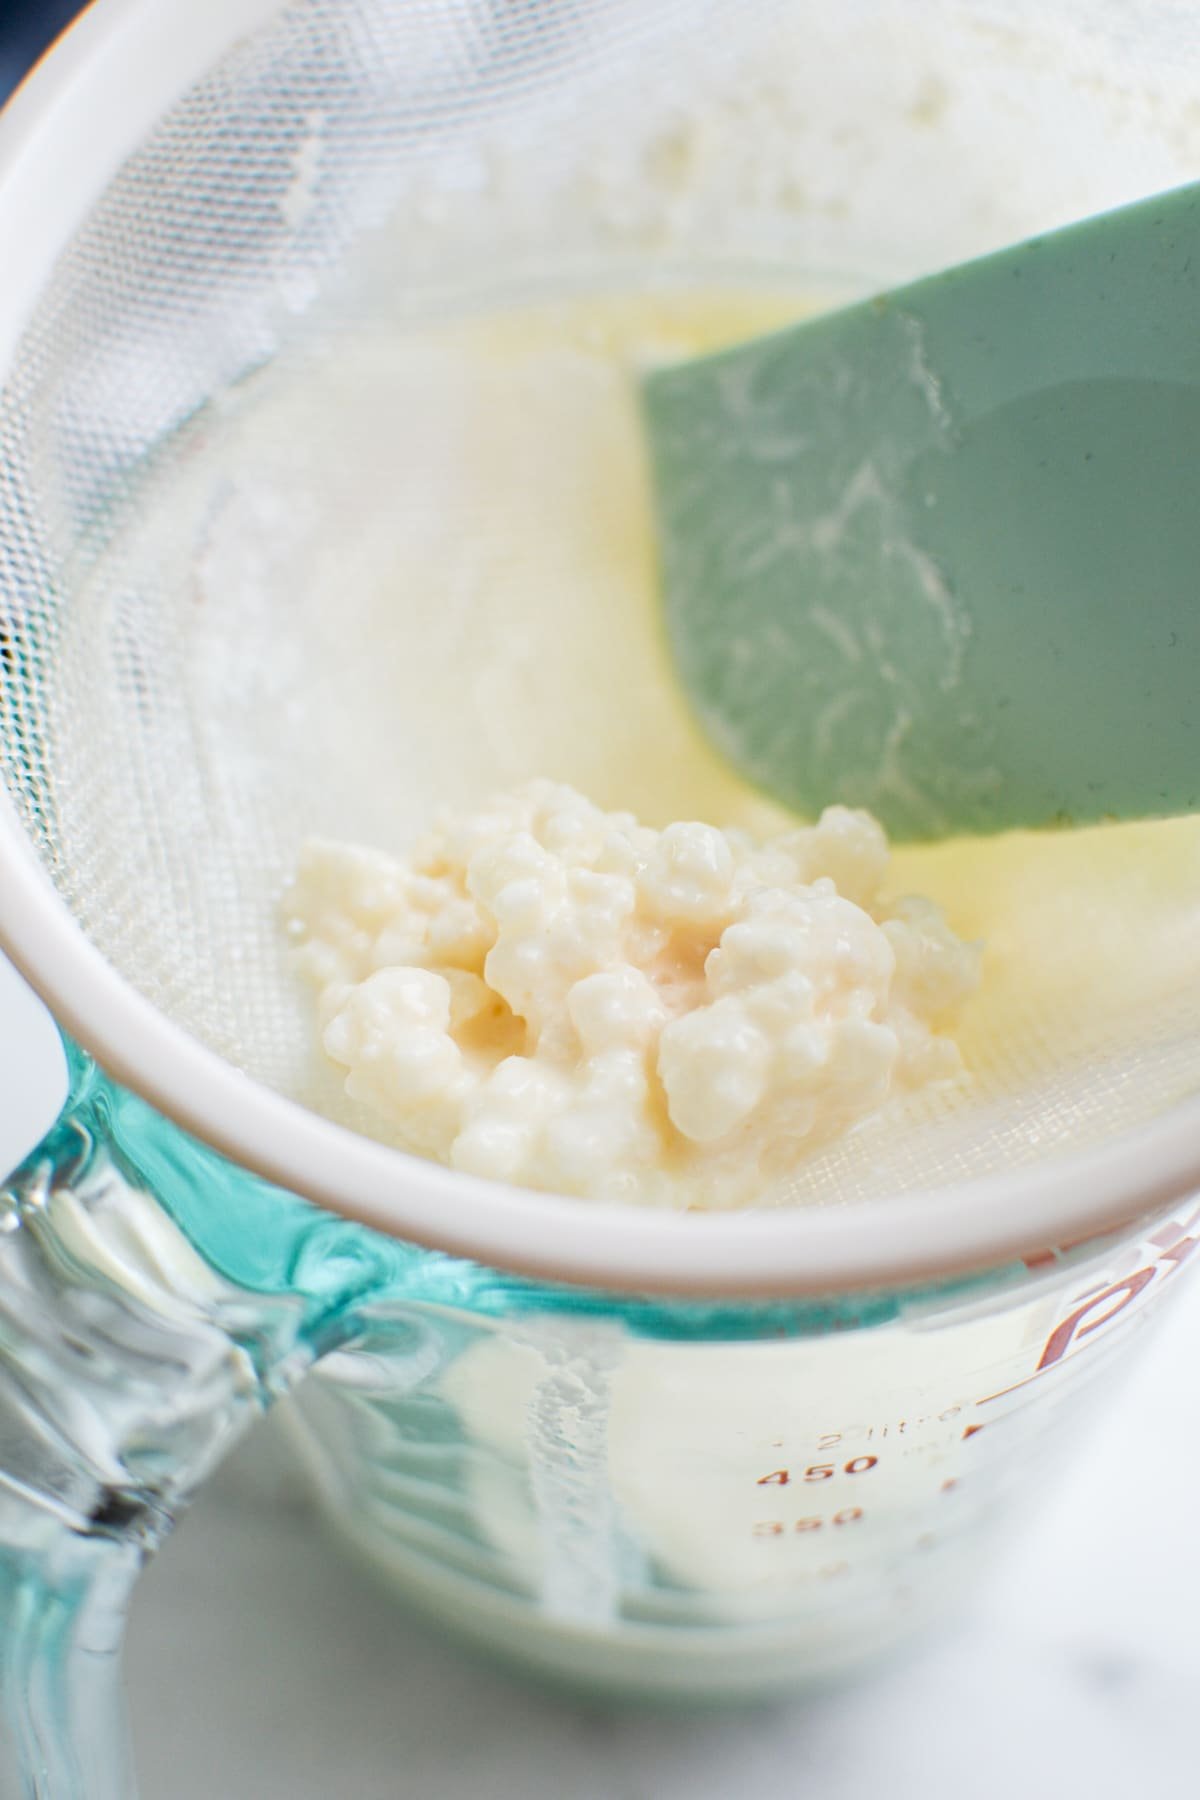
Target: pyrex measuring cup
673,1454
633,1495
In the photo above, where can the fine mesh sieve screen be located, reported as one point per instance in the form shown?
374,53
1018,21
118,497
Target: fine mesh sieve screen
322,499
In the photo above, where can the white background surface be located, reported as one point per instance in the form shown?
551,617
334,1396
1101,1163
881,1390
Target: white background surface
264,1666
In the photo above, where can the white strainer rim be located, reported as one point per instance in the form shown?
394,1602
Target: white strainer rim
61,140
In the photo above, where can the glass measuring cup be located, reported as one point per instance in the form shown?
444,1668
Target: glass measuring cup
626,1494
634,1451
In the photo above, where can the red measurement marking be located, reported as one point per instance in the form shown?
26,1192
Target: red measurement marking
1173,1231
1098,1306
1180,1251
1120,1294
858,1465
765,1528
948,1487
970,1430
999,1395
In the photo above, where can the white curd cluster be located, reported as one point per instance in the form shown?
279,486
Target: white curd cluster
561,998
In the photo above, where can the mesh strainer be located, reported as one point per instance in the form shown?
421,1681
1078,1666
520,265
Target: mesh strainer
244,595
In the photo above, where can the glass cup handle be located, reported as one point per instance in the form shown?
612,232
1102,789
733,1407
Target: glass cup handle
130,1363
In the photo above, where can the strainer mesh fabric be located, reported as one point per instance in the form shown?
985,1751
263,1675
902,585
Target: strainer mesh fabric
210,257
203,453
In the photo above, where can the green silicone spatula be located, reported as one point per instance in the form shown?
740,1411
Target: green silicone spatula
938,554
